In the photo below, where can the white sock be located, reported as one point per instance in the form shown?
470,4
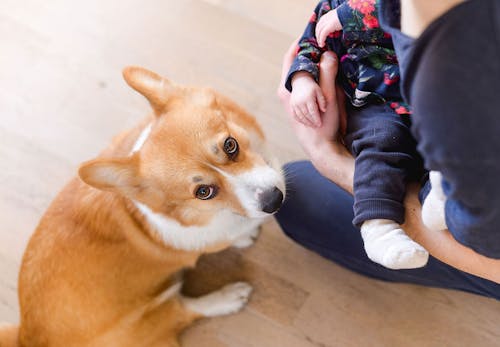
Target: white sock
388,245
433,214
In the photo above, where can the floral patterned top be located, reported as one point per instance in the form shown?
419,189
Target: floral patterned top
369,71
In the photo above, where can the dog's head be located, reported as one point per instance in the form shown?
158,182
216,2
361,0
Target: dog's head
201,154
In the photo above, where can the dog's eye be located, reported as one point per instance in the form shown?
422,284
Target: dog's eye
204,192
231,147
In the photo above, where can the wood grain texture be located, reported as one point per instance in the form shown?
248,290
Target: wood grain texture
62,98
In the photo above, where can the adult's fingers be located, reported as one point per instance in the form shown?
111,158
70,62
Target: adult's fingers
328,72
321,100
328,68
341,102
333,92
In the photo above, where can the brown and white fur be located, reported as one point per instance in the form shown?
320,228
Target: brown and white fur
103,267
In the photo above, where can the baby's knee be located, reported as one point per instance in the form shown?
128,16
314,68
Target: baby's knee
383,137
395,138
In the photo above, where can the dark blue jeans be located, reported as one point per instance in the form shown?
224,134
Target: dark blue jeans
317,214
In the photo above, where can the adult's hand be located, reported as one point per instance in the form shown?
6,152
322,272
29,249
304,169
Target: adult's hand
322,144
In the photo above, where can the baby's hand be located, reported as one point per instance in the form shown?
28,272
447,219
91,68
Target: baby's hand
307,100
327,24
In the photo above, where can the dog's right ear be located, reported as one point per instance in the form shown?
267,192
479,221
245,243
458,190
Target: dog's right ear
115,175
154,87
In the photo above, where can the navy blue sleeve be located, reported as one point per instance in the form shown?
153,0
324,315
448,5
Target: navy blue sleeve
308,50
346,15
361,35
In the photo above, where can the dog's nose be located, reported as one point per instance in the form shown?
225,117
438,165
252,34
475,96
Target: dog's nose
271,200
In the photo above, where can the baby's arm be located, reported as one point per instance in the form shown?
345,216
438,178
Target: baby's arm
307,100
327,24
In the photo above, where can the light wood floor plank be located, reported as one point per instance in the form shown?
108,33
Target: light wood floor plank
62,97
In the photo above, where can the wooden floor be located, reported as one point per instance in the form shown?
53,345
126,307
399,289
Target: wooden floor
62,98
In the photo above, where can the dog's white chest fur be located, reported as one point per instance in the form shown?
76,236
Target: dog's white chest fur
225,226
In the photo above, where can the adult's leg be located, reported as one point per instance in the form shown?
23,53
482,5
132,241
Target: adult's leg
318,215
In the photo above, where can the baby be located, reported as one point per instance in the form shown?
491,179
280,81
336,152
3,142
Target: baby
378,121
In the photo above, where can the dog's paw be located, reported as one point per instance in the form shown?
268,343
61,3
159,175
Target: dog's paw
230,299
248,239
433,214
233,297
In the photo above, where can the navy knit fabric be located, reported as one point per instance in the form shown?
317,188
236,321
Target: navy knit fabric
449,76
386,159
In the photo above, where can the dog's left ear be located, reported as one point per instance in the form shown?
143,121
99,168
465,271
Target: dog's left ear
154,87
119,175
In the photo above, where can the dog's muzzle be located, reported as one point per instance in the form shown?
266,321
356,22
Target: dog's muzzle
271,200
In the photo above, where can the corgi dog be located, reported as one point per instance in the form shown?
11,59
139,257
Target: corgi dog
104,266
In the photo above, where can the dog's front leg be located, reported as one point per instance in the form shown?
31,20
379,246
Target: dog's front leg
230,299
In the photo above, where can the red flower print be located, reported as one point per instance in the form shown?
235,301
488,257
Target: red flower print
402,110
388,80
367,7
371,22
399,109
387,35
313,18
334,35
391,58
363,6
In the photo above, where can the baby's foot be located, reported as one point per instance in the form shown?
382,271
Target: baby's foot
433,208
388,245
